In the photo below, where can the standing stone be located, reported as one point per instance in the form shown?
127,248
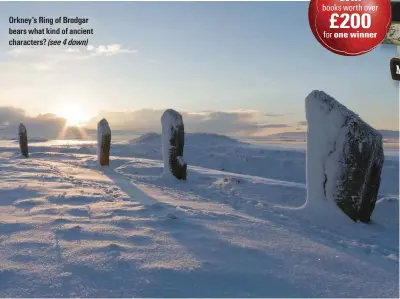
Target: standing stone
103,142
344,157
23,140
173,141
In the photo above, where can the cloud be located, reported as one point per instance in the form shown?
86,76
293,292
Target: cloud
109,50
73,53
47,59
236,122
43,125
302,123
239,122
11,115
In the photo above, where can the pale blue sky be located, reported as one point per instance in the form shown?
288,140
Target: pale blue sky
193,57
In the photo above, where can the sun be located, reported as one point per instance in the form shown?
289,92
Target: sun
74,115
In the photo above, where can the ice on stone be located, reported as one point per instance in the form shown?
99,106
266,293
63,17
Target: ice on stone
344,159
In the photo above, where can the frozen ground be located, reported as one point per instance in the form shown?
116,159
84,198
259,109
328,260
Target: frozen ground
69,228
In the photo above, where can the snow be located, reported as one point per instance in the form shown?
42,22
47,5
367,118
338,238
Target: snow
70,228
181,161
148,138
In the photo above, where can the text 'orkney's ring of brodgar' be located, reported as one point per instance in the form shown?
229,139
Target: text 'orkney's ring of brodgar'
49,31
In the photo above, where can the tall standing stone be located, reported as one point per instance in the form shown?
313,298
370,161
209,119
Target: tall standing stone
23,140
344,157
173,141
103,142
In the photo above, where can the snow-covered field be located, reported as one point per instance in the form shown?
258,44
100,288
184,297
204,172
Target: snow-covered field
235,228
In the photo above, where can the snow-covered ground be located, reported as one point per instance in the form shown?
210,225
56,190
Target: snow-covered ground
70,228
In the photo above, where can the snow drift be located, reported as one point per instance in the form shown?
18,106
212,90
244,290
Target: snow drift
344,159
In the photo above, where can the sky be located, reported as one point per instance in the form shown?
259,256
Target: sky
233,63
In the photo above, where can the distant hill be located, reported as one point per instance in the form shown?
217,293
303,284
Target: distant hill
190,138
389,134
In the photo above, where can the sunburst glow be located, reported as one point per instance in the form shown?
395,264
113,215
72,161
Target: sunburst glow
74,115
